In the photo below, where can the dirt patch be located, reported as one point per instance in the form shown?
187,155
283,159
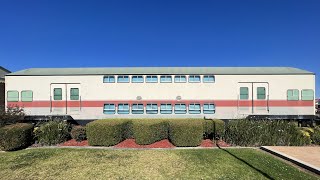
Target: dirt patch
73,142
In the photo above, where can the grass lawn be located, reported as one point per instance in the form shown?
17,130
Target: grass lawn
145,164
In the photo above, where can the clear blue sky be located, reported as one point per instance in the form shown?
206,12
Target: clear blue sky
160,33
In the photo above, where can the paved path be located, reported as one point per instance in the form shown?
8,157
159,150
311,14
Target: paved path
306,156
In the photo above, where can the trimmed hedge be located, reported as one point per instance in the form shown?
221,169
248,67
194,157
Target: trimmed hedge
78,133
264,133
149,131
106,132
213,127
186,132
16,136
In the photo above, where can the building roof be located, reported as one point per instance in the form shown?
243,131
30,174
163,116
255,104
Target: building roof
3,72
161,70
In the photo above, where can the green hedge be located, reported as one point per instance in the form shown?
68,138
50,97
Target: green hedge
106,132
16,136
149,131
264,133
213,127
186,132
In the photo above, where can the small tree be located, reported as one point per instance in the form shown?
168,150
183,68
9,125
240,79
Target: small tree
11,115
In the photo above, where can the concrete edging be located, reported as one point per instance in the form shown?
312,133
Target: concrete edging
296,161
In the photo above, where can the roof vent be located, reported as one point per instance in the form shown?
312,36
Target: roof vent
178,98
138,97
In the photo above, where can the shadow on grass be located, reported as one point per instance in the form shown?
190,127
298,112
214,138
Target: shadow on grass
242,160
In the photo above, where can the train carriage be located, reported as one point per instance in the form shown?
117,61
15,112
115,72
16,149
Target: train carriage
163,92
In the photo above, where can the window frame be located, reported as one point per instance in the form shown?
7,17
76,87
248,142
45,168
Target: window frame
193,110
166,110
109,110
180,76
29,97
151,76
190,76
165,76
17,98
108,76
209,110
307,99
204,81
152,110
139,110
140,77
123,111
185,111
122,77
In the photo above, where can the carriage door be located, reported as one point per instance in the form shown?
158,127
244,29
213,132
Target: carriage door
65,99
73,99
244,103
260,98
58,99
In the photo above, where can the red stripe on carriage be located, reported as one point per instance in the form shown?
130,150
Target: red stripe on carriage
218,103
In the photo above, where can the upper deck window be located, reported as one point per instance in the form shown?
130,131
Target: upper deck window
123,79
292,94
208,79
165,79
194,78
12,96
307,95
180,79
26,96
137,79
109,79
152,79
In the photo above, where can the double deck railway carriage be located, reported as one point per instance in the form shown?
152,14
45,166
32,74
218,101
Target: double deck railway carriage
163,92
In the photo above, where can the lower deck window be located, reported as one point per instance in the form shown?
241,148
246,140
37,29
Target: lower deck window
209,108
166,109
180,109
109,109
194,108
152,109
123,109
137,109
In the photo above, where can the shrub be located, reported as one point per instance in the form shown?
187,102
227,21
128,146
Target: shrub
107,132
315,137
15,136
52,132
78,133
264,133
149,131
186,132
213,128
11,115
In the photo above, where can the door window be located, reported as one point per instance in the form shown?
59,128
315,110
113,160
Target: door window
57,94
261,93
244,93
74,94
